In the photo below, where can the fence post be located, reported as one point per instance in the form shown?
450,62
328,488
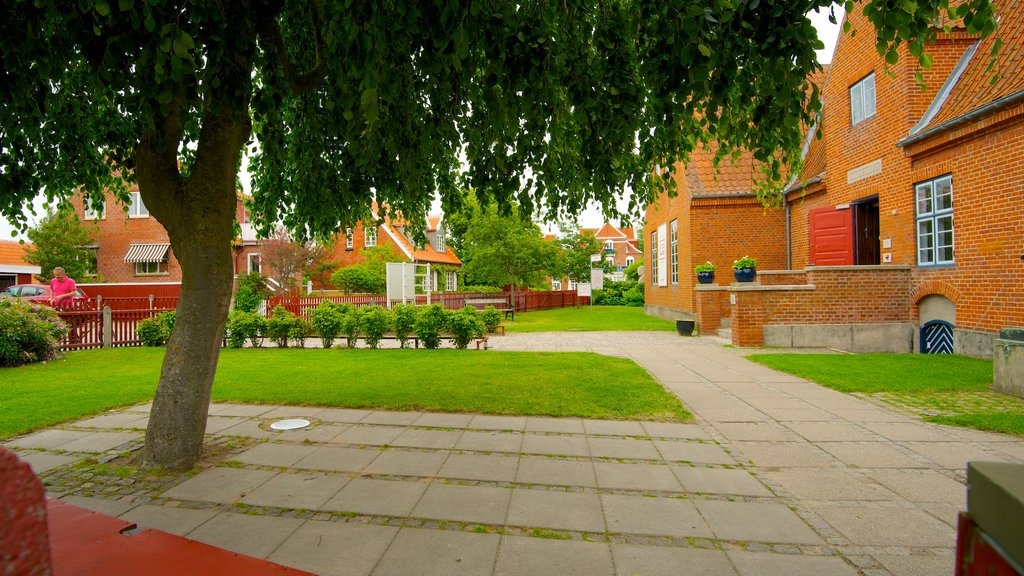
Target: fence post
151,301
108,328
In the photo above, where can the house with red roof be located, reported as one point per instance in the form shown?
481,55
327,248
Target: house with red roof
393,230
903,233
13,267
619,244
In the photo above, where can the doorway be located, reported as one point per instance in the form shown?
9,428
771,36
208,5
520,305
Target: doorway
866,231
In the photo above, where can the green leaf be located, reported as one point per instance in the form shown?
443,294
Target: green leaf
892,56
926,60
704,50
102,8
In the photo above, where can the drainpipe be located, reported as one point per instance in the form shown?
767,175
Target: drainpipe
789,246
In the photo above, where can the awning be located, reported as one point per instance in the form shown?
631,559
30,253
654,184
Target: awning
147,253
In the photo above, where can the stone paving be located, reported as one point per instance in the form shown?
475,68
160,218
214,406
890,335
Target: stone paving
776,476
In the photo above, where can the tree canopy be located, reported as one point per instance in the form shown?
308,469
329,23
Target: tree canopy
61,239
507,250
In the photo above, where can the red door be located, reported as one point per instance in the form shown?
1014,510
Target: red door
831,237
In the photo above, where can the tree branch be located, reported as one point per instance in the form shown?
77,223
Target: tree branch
269,31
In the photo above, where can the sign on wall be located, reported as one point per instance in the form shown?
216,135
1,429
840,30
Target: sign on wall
663,255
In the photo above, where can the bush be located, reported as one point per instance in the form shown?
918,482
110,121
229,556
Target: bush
279,326
465,325
634,296
244,326
614,294
257,283
151,332
166,320
246,300
403,319
429,323
299,331
357,278
351,324
376,322
481,289
491,317
327,320
28,332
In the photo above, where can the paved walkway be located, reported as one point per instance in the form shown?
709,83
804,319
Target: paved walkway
777,476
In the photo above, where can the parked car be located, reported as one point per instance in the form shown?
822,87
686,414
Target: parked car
39,293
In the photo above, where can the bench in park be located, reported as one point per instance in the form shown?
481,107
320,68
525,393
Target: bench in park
500,304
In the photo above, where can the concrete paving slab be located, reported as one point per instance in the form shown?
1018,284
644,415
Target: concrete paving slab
335,548
376,497
922,486
416,551
246,534
304,490
634,560
48,439
953,455
653,516
316,433
1013,452
177,521
798,414
342,415
719,481
635,477
391,418
101,505
363,435
689,451
907,431
488,422
220,485
274,454
490,441
756,521
558,445
763,564
886,526
284,412
483,504
338,459
247,410
866,414
917,565
46,461
116,420
831,431
492,467
437,439
755,431
613,427
871,455
563,425
744,414
100,441
832,484
520,556
250,428
141,408
215,424
556,510
623,448
437,420
675,431
782,455
555,472
406,463
948,514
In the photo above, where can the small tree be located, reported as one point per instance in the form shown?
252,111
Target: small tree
577,248
506,249
357,278
404,322
376,321
61,239
288,259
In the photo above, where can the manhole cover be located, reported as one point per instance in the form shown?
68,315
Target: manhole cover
290,424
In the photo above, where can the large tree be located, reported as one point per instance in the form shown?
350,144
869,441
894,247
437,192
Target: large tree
551,104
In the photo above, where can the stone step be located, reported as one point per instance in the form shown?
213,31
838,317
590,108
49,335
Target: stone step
725,333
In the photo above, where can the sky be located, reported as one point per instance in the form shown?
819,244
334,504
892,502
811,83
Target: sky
590,218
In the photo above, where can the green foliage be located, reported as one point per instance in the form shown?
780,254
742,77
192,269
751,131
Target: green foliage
587,319
491,317
246,300
632,272
61,239
507,249
300,330
28,332
246,326
327,321
576,249
151,332
257,283
465,325
745,262
375,321
430,322
403,322
357,279
279,326
705,267
481,289
166,320
634,296
351,324
615,294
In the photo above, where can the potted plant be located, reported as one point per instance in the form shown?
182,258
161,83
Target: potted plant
744,269
705,272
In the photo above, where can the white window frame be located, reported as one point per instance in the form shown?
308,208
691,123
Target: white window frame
137,208
928,219
370,236
654,258
674,250
572,284
556,284
259,262
146,268
90,214
349,240
451,282
609,245
440,241
629,261
862,100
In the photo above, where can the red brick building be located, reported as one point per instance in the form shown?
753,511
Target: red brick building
132,247
905,231
619,244
13,267
393,232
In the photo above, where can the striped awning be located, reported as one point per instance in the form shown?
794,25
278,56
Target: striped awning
147,253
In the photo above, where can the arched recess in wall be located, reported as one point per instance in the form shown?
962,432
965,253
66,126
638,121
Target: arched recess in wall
938,318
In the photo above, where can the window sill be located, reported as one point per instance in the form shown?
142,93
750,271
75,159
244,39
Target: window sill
130,217
154,274
933,266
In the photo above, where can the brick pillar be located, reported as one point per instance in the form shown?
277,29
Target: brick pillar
24,544
709,308
748,318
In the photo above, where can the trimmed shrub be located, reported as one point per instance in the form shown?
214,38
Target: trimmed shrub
246,300
257,283
166,320
299,331
327,321
151,332
403,319
634,296
244,326
491,318
376,321
279,326
351,324
465,325
28,332
429,323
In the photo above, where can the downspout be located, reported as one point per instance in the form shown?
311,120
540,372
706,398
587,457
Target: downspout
789,239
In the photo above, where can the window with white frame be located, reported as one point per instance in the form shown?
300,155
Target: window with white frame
654,258
150,268
451,282
93,214
629,261
255,263
673,252
862,99
609,245
440,240
556,284
572,283
137,209
934,208
348,239
370,234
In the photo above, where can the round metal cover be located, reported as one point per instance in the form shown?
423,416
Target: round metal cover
290,424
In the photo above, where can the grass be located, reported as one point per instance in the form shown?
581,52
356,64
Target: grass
587,319
525,383
951,390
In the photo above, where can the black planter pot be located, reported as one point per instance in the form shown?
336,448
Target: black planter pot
744,274
685,327
706,277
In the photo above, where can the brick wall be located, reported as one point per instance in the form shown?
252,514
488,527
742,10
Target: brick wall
844,295
800,205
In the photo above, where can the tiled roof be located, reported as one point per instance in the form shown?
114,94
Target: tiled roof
609,231
426,254
12,253
731,177
974,88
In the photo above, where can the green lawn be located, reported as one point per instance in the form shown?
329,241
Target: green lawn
587,319
552,384
951,390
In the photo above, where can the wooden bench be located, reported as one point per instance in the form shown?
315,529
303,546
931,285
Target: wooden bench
500,304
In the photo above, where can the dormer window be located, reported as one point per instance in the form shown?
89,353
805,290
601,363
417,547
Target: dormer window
862,99
440,240
370,236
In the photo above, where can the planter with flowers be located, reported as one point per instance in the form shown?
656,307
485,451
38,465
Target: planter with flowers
705,272
744,269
